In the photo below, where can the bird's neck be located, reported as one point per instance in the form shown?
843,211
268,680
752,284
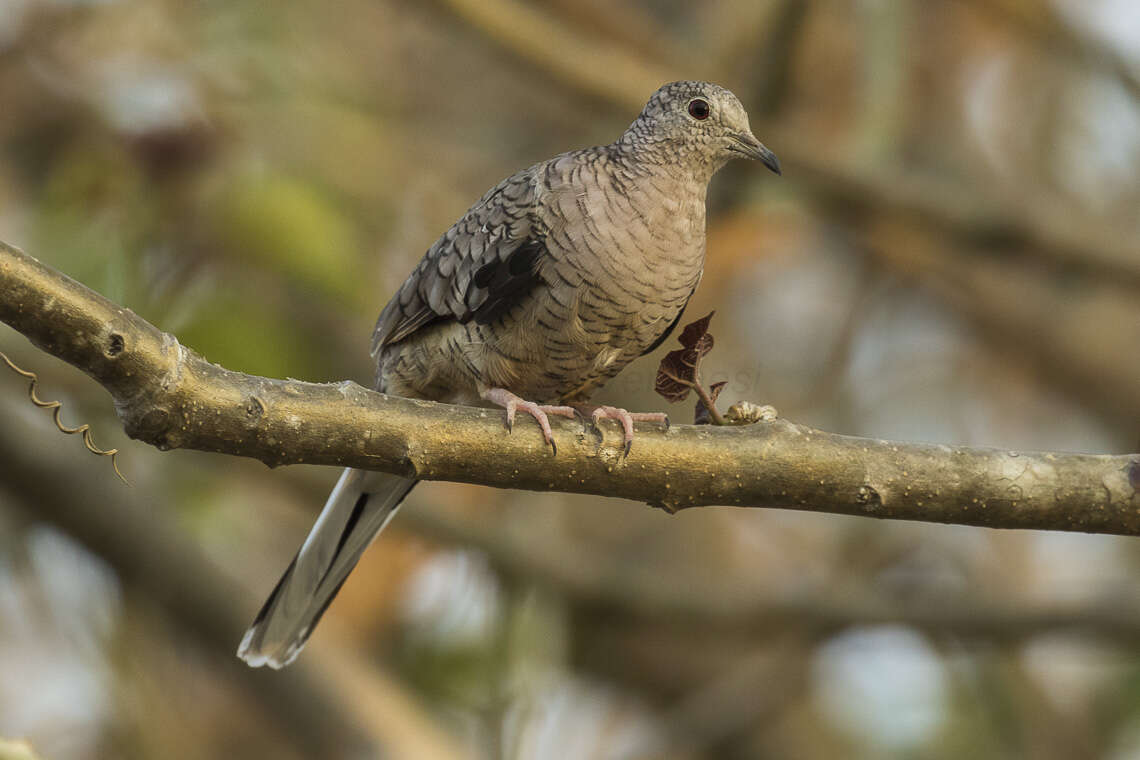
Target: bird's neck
668,159
668,197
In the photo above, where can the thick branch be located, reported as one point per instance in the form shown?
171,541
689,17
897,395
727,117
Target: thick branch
170,397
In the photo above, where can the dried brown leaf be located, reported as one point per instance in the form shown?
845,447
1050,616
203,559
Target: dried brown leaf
696,335
677,373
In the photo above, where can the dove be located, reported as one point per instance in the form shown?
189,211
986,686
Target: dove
546,288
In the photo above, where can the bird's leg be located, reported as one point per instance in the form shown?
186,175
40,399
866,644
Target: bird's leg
512,403
626,418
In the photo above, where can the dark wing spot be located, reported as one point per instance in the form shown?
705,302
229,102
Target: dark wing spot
506,282
524,262
485,274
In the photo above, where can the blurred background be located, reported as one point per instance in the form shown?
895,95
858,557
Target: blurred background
951,255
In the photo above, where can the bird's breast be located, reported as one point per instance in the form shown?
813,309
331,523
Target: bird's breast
623,254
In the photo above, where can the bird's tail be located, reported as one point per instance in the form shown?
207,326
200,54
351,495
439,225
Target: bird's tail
357,510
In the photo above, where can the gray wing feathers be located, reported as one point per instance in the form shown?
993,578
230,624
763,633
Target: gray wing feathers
357,510
441,286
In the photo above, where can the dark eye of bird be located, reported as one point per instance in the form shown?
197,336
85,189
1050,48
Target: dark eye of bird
699,109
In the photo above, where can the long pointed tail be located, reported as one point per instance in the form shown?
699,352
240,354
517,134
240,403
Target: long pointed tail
357,510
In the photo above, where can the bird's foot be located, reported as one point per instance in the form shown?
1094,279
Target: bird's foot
512,403
626,418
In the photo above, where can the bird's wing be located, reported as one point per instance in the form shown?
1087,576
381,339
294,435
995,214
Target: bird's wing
478,269
672,325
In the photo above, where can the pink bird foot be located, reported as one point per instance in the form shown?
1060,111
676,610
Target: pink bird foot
512,403
626,418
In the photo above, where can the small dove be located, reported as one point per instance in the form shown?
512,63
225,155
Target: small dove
553,282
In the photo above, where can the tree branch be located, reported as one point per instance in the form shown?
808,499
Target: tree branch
168,396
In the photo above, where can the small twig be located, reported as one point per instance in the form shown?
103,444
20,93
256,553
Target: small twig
680,372
708,401
57,408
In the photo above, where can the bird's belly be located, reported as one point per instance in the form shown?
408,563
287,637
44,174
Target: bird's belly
574,353
550,348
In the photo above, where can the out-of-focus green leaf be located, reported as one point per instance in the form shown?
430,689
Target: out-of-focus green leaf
285,223
241,331
462,673
93,215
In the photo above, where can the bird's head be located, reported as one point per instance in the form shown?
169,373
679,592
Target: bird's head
697,123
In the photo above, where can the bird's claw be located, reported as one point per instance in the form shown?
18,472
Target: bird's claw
626,419
540,412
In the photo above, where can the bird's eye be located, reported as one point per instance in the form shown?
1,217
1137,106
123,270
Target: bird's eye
699,109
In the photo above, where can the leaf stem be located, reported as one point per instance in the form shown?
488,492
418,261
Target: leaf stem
706,399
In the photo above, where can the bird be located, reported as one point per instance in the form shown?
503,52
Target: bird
547,287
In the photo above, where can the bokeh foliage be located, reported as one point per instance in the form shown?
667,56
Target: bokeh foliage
951,256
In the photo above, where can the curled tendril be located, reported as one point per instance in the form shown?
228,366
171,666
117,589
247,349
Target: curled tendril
57,407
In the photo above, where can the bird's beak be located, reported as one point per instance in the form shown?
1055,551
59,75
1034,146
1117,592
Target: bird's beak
747,145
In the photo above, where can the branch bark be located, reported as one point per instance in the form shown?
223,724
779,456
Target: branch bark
170,397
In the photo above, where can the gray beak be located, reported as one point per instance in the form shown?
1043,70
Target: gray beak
747,145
